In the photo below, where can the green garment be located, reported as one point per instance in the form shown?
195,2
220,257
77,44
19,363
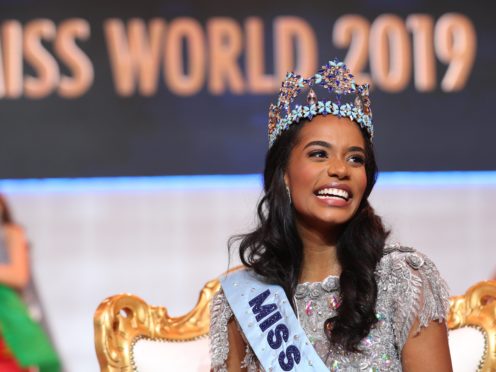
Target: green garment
25,338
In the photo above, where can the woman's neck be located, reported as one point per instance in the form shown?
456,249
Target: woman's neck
319,254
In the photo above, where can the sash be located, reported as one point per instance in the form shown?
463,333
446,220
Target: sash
269,324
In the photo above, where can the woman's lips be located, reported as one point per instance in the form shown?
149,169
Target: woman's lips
333,201
334,194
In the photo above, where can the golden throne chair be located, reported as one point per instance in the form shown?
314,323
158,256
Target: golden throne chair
132,336
472,329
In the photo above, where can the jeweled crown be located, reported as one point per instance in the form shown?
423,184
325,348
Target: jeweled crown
347,99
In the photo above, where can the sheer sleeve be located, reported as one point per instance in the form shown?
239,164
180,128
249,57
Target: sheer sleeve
220,314
418,292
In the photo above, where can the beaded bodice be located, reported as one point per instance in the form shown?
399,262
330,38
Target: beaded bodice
316,302
409,289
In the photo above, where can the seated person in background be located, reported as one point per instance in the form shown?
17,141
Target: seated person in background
24,345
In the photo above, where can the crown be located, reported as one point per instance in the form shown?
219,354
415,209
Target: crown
347,99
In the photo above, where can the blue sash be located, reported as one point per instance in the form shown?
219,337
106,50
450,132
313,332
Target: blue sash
269,324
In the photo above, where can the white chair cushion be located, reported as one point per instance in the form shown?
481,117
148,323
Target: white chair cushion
160,356
467,348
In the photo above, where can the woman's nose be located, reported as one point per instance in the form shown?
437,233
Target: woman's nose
337,168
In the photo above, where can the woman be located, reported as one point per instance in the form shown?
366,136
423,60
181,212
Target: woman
24,346
320,289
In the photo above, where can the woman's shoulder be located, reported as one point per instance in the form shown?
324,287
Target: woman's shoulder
402,267
14,231
410,281
220,310
11,227
397,256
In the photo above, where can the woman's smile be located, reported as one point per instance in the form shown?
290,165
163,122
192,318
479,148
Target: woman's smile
334,194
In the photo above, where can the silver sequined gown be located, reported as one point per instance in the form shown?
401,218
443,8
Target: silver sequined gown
409,288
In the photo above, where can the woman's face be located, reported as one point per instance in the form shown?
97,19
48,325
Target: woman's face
326,171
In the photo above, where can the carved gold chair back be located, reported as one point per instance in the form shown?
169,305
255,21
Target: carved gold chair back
131,335
472,328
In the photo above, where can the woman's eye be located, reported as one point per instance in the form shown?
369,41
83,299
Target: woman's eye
318,154
357,159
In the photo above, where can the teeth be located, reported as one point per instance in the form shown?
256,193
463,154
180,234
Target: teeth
333,192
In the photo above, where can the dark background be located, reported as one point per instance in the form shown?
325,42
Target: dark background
103,134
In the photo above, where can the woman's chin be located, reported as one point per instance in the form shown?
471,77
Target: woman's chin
329,220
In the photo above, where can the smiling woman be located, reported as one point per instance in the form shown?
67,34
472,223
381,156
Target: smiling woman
320,287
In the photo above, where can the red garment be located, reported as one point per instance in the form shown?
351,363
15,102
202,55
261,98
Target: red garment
7,361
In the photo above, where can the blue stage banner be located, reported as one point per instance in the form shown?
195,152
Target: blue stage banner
109,88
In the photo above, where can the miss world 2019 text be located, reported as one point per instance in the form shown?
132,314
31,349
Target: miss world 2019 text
40,58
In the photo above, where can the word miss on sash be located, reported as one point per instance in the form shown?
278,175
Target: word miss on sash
267,317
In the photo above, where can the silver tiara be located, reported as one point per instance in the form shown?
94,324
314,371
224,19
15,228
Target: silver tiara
346,99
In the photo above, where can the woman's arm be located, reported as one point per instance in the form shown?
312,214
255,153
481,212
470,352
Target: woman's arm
237,347
420,303
15,273
427,350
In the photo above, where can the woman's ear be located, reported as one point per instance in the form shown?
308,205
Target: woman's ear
286,179
288,190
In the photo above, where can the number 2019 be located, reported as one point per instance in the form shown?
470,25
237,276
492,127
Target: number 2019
387,45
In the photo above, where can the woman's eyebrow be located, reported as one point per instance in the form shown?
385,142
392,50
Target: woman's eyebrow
318,143
328,145
356,148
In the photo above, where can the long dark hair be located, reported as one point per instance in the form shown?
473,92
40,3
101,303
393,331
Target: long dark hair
274,249
5,215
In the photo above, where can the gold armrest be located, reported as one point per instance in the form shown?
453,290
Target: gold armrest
477,308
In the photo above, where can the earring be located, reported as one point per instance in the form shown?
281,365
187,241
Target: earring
289,194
